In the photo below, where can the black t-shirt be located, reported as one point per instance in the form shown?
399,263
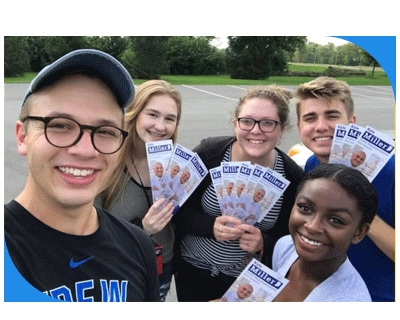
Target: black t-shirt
115,263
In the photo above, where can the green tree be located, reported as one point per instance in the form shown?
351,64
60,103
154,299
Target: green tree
114,46
369,60
193,56
350,54
16,59
56,46
259,57
38,57
149,57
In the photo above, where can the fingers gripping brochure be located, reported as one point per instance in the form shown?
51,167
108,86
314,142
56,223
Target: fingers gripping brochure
158,157
257,283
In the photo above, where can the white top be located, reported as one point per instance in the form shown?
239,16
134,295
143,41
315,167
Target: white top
344,285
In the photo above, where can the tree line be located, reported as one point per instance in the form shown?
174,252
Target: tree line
149,57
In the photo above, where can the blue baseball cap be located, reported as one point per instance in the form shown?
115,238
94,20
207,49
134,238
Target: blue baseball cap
88,61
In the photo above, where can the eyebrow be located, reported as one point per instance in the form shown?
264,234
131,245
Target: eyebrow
100,122
328,112
158,112
344,210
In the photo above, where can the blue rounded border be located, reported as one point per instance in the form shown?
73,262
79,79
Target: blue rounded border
382,48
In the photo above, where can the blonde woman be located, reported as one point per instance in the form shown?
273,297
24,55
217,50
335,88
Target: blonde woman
153,115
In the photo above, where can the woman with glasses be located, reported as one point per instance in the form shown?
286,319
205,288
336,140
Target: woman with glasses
152,116
215,249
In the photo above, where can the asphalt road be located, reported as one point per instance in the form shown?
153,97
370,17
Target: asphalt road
206,112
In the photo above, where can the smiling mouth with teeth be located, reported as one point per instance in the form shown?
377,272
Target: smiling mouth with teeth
311,242
256,141
76,172
323,139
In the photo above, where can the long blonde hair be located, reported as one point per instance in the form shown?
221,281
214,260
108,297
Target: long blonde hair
143,94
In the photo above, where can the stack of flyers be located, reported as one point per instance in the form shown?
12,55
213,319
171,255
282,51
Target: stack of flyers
230,171
159,154
247,192
257,283
365,149
184,172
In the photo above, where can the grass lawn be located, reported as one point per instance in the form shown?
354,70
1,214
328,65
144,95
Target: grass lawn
379,79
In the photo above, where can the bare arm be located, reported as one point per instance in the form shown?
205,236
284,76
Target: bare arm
383,235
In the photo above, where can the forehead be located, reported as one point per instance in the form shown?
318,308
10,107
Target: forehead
321,106
84,98
328,195
163,103
258,108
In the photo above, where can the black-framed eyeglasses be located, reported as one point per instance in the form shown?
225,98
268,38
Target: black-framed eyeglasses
265,125
65,132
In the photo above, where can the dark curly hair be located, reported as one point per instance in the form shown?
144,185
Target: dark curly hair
353,181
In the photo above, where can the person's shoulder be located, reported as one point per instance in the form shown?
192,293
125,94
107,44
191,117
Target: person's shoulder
215,143
311,163
386,177
213,148
348,284
285,241
283,249
284,246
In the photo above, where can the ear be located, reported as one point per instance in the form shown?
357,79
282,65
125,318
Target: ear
360,233
20,135
234,122
352,119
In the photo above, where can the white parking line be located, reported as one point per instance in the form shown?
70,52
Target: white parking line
236,87
214,94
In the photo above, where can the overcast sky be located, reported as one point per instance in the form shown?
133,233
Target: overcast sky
222,42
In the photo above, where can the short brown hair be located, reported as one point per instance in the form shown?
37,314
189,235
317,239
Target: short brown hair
328,89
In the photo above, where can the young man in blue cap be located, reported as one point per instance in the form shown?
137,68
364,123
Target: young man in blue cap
70,130
323,103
